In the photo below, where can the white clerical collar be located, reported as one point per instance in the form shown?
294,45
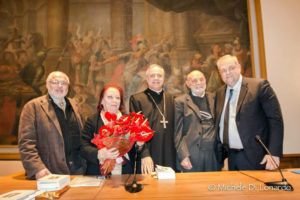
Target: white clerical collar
157,92
198,95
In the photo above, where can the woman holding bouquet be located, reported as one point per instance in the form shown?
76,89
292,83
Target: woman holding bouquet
111,105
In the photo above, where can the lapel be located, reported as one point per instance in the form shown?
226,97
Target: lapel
193,106
49,110
76,111
220,103
243,92
211,104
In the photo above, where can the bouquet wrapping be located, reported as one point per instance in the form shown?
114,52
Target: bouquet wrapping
121,134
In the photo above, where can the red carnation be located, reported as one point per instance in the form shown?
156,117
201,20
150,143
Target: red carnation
110,116
105,131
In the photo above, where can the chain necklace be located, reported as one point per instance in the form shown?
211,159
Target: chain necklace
163,121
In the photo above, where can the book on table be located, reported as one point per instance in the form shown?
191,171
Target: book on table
17,195
164,172
53,182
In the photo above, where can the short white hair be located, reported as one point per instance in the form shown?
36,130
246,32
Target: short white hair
52,74
152,66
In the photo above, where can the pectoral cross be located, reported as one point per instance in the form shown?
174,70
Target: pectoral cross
163,121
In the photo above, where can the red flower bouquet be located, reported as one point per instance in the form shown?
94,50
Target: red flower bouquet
121,134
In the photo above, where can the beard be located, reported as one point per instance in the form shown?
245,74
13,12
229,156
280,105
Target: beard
198,91
58,95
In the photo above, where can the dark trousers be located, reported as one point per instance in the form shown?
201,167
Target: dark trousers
237,160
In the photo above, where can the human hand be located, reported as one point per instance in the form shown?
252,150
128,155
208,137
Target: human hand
139,146
42,173
270,165
186,163
147,165
105,153
140,143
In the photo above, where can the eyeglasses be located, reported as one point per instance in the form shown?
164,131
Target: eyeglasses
196,81
156,75
56,82
229,69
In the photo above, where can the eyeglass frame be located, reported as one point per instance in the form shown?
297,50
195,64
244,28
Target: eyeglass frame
56,82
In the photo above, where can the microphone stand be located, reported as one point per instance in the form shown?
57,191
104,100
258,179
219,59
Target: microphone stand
283,184
134,186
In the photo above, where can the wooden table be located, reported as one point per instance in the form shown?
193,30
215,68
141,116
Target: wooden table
205,185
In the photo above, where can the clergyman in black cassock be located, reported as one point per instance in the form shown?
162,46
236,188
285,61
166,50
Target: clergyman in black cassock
152,105
161,146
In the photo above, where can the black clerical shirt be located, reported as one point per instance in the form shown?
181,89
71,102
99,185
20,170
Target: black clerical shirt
201,102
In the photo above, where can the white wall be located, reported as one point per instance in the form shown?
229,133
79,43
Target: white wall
281,26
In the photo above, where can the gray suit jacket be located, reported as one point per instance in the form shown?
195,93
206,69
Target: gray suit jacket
189,139
41,142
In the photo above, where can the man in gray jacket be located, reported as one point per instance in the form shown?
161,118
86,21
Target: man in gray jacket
194,127
49,131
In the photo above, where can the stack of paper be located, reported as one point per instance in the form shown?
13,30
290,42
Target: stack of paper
87,181
164,172
17,195
53,182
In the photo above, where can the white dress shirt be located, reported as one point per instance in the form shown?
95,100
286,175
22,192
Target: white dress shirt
233,134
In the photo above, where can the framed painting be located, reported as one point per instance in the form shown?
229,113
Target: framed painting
100,42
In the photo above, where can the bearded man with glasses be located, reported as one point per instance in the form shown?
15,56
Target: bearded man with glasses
49,131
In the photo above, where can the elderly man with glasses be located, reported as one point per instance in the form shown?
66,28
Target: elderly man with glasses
246,107
49,131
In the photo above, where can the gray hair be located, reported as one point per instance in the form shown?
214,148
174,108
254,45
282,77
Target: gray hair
227,57
52,74
192,72
152,66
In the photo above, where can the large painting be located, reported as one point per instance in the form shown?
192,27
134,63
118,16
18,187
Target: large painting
100,42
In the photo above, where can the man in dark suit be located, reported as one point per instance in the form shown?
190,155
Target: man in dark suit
253,109
195,128
49,131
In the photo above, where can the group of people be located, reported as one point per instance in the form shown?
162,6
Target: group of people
193,132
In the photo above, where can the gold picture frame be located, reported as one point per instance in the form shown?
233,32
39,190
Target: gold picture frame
10,152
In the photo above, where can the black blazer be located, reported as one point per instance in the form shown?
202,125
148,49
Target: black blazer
258,113
89,151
